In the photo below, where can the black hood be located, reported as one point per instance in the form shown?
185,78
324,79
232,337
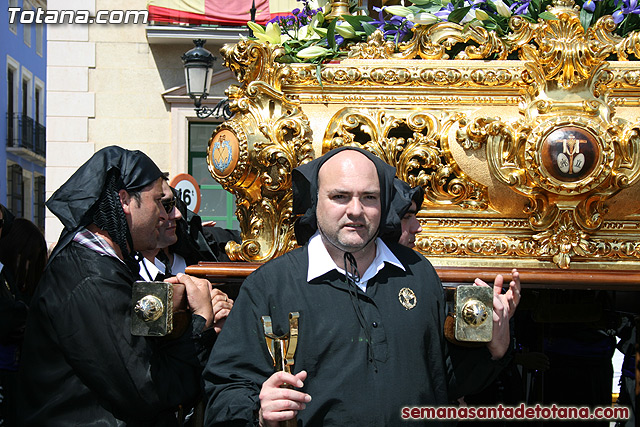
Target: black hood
305,197
91,193
73,202
415,194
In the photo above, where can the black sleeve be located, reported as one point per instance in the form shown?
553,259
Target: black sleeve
136,377
473,369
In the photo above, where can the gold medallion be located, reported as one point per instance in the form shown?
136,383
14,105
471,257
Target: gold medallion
407,298
223,152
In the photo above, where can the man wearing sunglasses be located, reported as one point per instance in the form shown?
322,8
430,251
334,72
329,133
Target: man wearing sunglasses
159,262
165,261
80,363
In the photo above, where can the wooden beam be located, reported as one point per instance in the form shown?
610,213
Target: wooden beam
532,278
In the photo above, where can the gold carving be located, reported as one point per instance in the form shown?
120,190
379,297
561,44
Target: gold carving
274,137
568,51
563,240
565,53
411,144
530,162
376,47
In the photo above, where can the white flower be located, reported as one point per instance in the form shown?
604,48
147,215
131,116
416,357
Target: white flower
398,10
470,16
481,15
345,30
502,8
321,31
271,34
312,52
422,18
315,4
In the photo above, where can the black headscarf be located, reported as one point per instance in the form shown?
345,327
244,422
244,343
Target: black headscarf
89,193
305,197
415,194
305,200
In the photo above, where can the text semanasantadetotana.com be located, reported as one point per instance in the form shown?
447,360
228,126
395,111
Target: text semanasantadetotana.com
522,412
42,16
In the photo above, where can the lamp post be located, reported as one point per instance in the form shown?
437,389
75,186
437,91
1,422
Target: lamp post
198,69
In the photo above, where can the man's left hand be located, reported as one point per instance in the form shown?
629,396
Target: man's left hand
504,307
222,305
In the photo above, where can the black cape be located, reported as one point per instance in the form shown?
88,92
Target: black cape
81,365
197,243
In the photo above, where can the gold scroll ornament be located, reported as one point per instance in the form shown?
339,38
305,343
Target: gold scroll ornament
282,349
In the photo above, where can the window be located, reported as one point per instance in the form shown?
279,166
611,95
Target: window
27,27
39,38
27,194
27,92
15,190
217,204
11,99
14,26
26,122
25,97
38,201
38,118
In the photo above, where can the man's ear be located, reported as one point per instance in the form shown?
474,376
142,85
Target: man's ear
125,201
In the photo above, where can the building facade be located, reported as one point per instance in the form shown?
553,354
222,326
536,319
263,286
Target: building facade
23,50
122,83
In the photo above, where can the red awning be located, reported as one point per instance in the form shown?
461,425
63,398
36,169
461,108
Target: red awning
210,12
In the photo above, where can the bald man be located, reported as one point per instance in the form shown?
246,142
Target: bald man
371,314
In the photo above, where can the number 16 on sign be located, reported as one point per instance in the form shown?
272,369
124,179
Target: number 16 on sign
188,191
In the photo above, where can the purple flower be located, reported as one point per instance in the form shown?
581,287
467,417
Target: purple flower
521,7
380,22
589,5
618,17
444,12
630,6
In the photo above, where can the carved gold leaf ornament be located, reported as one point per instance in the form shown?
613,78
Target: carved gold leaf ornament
376,47
564,240
418,154
521,161
276,132
564,52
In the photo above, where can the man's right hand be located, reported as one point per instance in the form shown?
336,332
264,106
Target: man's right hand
198,295
281,404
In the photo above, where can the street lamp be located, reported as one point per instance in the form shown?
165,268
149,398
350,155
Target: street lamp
198,69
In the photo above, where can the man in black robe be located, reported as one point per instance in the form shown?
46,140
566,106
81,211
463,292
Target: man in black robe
409,222
80,363
372,314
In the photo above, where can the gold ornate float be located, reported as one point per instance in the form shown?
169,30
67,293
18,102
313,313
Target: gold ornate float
531,162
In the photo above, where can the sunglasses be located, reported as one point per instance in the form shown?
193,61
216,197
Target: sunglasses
1,222
169,204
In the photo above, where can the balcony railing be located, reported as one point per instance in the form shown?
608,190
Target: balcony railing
23,132
41,140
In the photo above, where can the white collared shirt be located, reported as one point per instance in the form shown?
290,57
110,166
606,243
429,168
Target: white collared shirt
320,262
149,270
